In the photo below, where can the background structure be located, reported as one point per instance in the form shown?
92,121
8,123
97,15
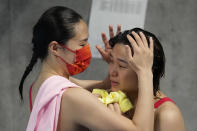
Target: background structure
174,22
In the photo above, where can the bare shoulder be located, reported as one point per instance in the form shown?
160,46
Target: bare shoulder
78,101
76,96
72,105
73,102
169,117
72,92
169,111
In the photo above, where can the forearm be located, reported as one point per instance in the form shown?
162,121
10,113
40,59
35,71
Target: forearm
91,84
144,112
85,109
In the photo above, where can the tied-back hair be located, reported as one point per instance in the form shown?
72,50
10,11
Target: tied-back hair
158,67
55,24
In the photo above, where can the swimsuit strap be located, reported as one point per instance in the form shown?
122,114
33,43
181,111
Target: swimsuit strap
162,100
30,97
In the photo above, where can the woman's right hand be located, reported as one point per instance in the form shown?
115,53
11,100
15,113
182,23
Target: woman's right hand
105,52
142,59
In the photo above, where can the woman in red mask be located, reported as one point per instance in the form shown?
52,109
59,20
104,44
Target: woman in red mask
60,41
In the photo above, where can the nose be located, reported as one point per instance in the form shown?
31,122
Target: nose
113,70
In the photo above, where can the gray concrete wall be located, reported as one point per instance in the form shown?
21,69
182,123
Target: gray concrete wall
174,22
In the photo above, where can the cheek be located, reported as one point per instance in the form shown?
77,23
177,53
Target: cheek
72,58
73,44
123,78
110,69
129,81
69,57
123,75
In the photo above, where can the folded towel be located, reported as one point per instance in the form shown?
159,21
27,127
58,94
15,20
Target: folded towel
45,112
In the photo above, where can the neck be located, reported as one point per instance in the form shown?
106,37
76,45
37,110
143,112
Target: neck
133,96
48,69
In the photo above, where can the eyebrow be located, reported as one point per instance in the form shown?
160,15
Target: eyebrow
86,39
119,59
122,60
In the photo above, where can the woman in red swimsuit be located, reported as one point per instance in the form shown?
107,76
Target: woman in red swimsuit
167,116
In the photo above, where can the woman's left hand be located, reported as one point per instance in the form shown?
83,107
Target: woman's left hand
115,107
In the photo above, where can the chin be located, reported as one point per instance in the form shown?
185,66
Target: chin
115,88
133,91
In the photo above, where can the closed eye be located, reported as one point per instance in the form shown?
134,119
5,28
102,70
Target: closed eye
122,66
82,44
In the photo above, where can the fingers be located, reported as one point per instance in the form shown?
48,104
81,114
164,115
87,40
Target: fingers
132,42
111,31
144,41
97,95
105,40
118,29
151,44
143,55
128,52
101,51
117,108
111,107
104,54
138,39
111,34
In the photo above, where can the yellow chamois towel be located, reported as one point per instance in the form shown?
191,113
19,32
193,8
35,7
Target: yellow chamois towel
114,97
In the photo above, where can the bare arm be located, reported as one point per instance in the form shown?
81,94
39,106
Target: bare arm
85,109
141,62
145,102
170,119
91,84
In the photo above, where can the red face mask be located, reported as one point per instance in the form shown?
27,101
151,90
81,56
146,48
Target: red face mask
82,60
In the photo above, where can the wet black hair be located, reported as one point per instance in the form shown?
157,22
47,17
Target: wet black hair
56,24
158,67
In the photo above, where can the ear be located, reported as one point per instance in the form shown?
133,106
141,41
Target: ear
54,48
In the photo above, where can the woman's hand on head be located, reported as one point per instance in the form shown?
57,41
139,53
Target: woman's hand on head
142,59
105,52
